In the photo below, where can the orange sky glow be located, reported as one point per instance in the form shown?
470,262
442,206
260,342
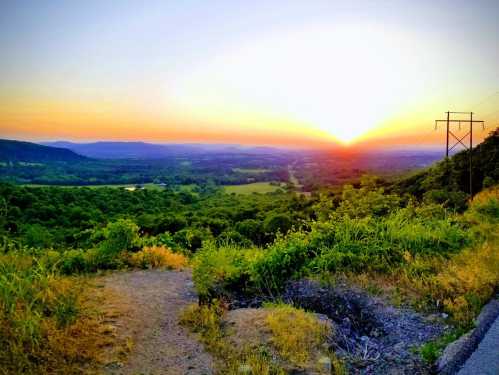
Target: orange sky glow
320,77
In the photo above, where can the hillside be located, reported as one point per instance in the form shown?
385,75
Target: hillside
453,175
27,152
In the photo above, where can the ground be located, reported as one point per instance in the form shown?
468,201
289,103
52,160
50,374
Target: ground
145,316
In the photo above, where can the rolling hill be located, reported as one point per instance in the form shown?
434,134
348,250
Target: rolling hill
144,151
19,151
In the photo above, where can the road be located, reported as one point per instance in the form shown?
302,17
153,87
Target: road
485,359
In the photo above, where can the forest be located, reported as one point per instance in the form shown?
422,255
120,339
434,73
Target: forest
419,240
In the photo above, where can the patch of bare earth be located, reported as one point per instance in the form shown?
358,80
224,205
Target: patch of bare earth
141,312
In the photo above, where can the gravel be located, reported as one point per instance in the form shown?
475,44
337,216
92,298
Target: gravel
372,336
160,344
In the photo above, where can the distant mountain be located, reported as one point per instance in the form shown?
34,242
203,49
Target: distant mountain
19,151
142,150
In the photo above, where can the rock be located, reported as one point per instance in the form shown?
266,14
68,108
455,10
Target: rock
451,351
456,353
373,336
325,364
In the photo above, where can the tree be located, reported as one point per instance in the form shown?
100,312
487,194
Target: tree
277,223
120,235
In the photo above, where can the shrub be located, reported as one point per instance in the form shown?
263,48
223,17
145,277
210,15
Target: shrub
282,261
119,236
157,256
190,239
277,223
218,270
73,261
367,201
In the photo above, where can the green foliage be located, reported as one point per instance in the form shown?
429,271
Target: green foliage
452,175
37,236
282,261
432,350
277,223
120,235
73,261
219,269
366,201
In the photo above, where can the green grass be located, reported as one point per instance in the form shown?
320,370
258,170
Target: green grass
251,170
256,187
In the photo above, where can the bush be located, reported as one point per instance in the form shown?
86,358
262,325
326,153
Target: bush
219,270
282,261
73,261
190,239
120,236
277,223
157,256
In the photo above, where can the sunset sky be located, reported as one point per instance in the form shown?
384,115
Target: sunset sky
292,73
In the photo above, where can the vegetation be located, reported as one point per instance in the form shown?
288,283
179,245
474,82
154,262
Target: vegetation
295,340
45,323
157,257
256,187
296,334
444,260
420,241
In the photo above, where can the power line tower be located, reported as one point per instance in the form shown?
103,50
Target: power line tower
449,122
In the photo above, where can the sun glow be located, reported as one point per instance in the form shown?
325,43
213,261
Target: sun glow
343,81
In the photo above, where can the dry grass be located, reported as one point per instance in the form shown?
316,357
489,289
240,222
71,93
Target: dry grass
468,280
70,340
296,334
207,322
281,339
157,257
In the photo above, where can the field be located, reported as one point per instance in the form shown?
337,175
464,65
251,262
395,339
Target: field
256,187
251,170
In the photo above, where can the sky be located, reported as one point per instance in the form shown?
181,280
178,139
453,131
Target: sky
288,73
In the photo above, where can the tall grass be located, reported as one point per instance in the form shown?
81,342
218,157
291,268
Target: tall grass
40,325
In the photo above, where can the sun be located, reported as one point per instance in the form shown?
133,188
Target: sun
343,80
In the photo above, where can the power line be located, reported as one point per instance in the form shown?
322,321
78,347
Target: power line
459,140
487,98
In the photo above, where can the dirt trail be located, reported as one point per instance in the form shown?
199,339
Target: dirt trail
148,305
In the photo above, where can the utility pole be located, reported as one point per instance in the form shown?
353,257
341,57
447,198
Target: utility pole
459,141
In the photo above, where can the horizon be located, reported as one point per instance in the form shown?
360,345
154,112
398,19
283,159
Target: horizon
355,149
324,75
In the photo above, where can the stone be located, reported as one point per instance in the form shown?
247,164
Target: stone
325,364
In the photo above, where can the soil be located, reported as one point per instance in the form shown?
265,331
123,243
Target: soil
145,315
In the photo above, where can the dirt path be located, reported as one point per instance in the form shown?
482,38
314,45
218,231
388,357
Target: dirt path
147,305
